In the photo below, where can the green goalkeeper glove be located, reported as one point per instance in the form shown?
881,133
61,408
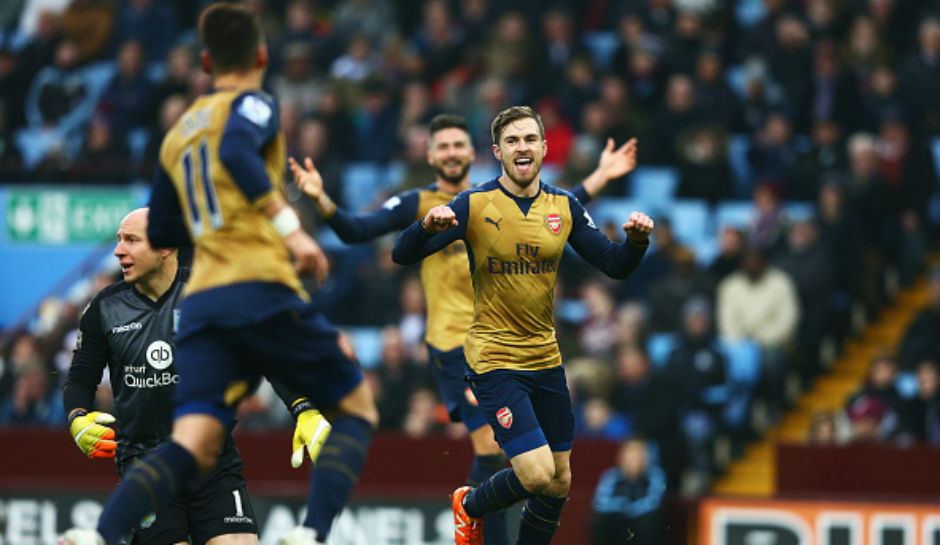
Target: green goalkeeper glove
95,439
311,431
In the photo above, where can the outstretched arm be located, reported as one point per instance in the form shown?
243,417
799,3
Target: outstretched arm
613,164
396,213
614,260
440,227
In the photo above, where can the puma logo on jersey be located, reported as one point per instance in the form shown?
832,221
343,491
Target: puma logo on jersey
496,223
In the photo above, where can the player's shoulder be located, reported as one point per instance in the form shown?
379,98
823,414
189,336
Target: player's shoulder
108,293
485,187
257,106
557,191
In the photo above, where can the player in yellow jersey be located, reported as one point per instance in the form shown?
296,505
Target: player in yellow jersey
515,228
245,314
445,276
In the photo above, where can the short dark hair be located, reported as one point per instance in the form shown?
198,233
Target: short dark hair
447,121
511,114
231,35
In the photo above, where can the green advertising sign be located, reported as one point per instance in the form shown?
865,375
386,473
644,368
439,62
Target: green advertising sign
56,215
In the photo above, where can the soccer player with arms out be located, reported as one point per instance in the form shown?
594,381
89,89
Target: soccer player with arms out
515,366
245,314
445,276
128,327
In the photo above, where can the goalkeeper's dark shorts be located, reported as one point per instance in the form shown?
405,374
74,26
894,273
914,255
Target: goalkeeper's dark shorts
214,505
449,370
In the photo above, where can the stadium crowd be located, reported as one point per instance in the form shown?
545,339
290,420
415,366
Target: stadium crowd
779,106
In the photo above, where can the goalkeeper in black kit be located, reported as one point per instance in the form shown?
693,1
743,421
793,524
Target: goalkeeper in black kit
129,328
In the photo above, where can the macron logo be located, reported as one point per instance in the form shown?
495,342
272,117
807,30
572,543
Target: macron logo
133,326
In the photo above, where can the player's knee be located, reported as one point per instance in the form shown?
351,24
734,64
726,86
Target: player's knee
561,483
537,480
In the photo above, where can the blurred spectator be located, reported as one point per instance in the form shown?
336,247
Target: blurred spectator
150,22
598,333
33,12
511,54
840,234
180,65
416,108
685,42
61,99
561,44
920,416
920,78
171,110
921,341
359,61
768,229
716,101
865,47
834,92
760,303
420,419
299,83
883,97
125,100
773,157
334,111
558,132
808,263
24,352
790,60
398,379
675,117
33,403
299,23
596,418
868,416
762,96
623,119
10,164
826,157
89,23
651,403
879,386
731,247
704,171
670,292
477,17
438,45
9,14
628,500
823,430
413,321
104,156
699,370
578,88
374,18
418,173
376,122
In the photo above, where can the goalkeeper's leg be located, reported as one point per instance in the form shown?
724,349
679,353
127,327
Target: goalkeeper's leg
154,480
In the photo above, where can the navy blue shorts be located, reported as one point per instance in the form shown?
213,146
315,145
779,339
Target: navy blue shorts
527,409
449,370
220,366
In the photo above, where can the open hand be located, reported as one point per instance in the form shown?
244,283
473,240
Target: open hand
308,179
616,163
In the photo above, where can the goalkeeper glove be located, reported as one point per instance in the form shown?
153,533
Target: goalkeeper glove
95,439
311,431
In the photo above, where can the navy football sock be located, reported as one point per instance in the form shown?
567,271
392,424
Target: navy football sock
498,492
336,472
495,531
146,486
541,516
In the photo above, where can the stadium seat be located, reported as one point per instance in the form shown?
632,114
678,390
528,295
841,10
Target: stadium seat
550,174
617,211
659,346
734,213
749,12
485,172
800,211
735,77
367,342
744,361
602,44
655,185
906,384
360,182
691,221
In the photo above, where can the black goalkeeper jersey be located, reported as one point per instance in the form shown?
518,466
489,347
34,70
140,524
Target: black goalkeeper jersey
133,336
